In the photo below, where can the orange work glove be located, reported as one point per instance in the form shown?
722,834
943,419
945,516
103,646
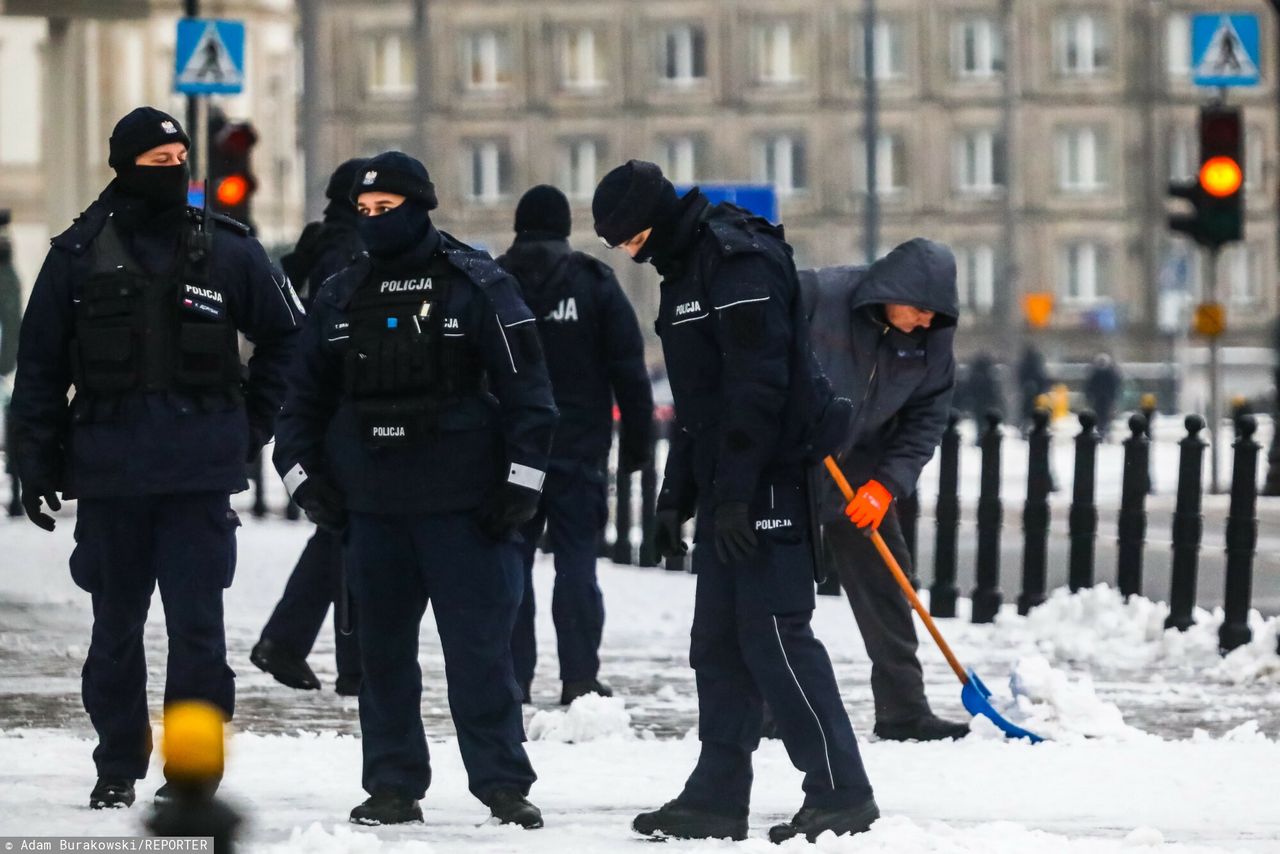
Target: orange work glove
869,505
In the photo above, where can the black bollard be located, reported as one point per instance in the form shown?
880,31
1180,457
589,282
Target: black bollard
1242,537
291,510
1149,413
622,521
649,500
1132,523
1188,526
909,519
1082,522
987,597
1035,515
15,496
944,593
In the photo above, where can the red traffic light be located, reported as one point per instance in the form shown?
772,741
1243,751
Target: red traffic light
1221,177
232,190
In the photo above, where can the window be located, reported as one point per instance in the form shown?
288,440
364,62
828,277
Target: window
1183,150
780,160
1177,46
979,161
1082,160
488,171
976,277
391,68
681,159
1082,45
1244,275
1082,274
776,50
582,62
683,59
579,160
891,165
978,48
486,60
890,50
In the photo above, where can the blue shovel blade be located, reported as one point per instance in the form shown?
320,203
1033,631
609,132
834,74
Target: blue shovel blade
977,700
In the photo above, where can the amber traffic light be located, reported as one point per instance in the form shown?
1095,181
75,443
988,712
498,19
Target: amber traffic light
230,168
1217,194
1221,177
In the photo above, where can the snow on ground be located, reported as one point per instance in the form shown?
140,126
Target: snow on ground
1159,744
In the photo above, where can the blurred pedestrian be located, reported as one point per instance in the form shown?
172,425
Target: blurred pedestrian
1102,391
595,355
1033,381
982,391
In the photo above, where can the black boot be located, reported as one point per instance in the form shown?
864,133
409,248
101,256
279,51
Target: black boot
348,685
573,690
287,668
111,793
387,808
683,821
510,807
166,795
928,727
814,821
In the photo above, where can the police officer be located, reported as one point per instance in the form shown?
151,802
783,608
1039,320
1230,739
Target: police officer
10,319
137,306
595,354
419,419
747,400
884,336
323,249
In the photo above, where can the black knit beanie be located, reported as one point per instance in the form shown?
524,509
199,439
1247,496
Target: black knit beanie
140,131
544,208
630,199
396,172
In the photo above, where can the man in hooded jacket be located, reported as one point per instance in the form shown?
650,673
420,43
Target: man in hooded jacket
138,306
317,581
595,355
884,335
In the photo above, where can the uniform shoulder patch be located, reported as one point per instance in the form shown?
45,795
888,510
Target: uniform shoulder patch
734,237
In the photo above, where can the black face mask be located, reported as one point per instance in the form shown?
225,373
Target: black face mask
160,188
395,231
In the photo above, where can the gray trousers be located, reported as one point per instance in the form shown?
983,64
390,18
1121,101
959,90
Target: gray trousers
882,613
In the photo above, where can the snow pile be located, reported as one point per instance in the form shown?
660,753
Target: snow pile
1256,661
589,718
1051,704
342,840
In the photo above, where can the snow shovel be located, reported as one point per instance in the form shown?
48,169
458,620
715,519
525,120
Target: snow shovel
975,696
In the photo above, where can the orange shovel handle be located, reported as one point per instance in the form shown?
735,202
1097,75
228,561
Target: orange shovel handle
899,576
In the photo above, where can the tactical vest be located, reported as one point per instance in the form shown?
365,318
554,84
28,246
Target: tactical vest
141,332
399,368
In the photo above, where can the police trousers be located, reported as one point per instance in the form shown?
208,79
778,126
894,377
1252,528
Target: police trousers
125,547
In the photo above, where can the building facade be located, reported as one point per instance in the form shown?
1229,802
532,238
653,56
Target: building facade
1039,145
72,68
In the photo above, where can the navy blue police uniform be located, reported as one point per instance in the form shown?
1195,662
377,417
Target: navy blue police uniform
595,355
324,249
141,314
420,393
748,411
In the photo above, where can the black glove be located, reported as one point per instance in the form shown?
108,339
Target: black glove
31,496
667,540
505,509
322,501
735,540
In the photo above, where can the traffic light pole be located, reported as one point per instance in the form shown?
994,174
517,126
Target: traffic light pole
196,120
1215,391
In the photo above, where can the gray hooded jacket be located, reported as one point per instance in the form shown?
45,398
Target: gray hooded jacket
900,384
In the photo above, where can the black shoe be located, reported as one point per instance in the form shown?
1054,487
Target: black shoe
348,686
387,808
682,821
573,690
510,807
930,727
111,793
287,668
814,821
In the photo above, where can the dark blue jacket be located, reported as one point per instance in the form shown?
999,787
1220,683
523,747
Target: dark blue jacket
479,439
593,345
144,443
900,384
323,249
728,322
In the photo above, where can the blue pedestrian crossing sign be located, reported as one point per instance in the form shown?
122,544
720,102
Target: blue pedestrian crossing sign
209,57
1225,50
760,199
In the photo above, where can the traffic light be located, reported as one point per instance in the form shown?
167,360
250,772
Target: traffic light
1217,193
231,180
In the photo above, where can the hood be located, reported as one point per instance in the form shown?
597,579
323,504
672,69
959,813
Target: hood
920,273
537,262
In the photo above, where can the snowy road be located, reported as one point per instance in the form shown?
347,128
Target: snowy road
1149,780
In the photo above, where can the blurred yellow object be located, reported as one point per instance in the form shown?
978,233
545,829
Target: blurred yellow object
1209,319
1038,307
1148,401
193,741
1060,400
